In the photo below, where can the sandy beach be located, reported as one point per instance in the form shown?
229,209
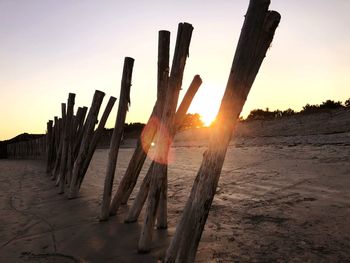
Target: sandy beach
240,108
280,199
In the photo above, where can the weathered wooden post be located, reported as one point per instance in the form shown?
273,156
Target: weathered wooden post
76,121
70,160
57,136
66,142
80,131
138,158
163,140
179,118
95,139
89,127
55,171
256,36
49,146
54,143
124,101
141,196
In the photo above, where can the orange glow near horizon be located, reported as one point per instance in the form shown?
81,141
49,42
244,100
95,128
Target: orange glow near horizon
207,101
207,117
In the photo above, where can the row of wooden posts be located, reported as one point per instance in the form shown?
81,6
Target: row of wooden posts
72,139
31,149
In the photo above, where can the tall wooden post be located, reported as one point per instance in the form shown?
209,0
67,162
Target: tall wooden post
179,118
54,143
163,140
95,139
56,169
49,144
141,196
89,127
124,101
256,36
66,142
138,158
80,131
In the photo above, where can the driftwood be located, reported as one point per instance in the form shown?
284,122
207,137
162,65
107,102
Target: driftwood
256,36
138,158
66,142
89,126
96,138
124,101
163,141
141,196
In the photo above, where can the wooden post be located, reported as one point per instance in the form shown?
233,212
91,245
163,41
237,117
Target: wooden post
79,118
129,179
55,171
54,143
70,160
96,138
186,101
57,136
163,140
49,146
89,127
179,118
76,121
256,36
80,131
124,101
66,142
141,196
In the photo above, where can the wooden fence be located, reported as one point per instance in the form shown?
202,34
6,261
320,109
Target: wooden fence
31,149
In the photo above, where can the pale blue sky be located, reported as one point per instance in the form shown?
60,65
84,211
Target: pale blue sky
49,48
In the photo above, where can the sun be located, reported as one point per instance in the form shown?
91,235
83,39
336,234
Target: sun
207,102
207,117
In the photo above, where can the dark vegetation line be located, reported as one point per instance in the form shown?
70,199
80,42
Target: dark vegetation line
328,105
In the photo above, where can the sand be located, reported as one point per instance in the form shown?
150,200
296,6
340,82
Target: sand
280,199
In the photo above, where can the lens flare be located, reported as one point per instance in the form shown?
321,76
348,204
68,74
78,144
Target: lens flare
161,143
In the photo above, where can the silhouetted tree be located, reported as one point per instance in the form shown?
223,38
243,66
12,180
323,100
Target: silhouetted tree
259,114
288,112
347,103
133,127
308,109
331,105
192,121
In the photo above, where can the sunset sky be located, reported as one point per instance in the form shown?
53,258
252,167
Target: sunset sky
50,48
